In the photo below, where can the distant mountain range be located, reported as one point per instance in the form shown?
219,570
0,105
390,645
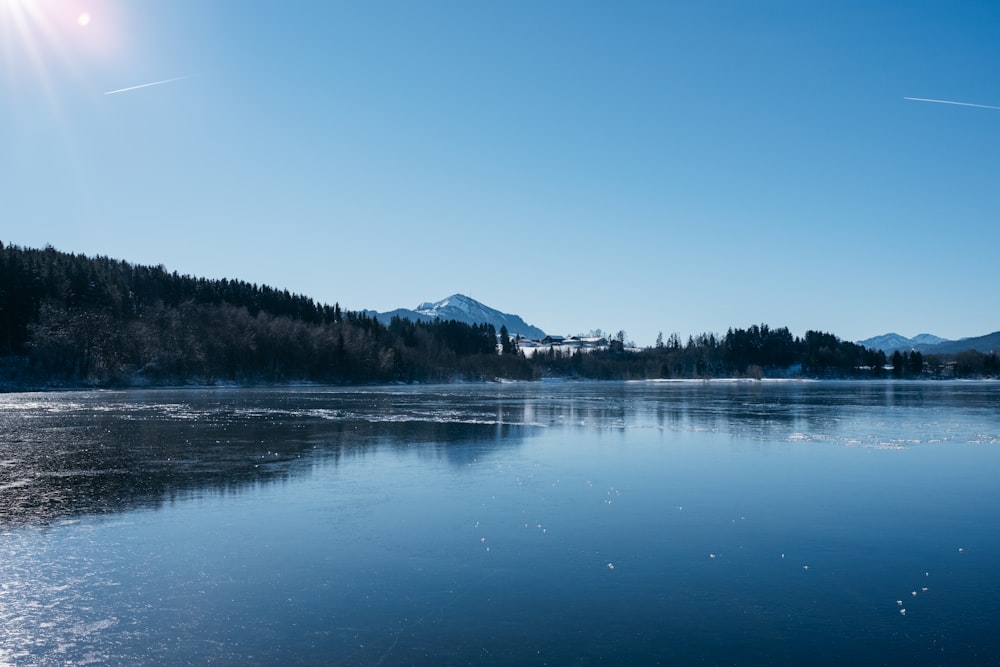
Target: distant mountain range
463,309
931,344
891,342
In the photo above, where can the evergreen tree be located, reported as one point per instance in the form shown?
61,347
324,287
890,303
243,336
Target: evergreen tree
506,346
898,366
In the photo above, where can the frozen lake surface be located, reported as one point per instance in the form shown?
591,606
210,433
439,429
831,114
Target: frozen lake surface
527,524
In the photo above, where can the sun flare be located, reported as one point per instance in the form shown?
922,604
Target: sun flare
42,41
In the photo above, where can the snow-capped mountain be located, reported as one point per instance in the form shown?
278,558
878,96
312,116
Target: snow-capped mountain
891,342
931,344
887,342
928,339
464,309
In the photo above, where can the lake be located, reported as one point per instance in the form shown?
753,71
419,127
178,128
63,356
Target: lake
531,524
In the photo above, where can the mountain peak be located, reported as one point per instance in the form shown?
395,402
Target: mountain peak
466,309
928,339
892,342
888,342
459,301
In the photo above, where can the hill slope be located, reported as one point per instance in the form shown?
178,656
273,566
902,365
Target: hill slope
71,320
985,344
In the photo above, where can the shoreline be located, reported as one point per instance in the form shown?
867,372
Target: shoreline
7,389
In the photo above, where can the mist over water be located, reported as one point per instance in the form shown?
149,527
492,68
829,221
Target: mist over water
562,523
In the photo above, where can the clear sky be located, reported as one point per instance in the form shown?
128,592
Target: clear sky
647,166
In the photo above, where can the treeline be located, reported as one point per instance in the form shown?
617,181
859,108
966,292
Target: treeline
72,320
756,352
67,319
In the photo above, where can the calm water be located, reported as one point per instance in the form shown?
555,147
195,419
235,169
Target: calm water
670,523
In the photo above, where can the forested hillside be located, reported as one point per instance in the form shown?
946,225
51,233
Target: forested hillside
68,320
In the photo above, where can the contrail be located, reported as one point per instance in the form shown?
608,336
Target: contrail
961,104
147,85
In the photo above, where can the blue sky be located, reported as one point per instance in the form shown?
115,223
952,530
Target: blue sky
646,166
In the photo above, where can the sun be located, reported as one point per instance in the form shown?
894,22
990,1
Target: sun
43,40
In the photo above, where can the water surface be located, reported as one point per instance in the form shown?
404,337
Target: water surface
562,523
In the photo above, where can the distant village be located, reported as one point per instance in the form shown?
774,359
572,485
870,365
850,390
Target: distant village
564,344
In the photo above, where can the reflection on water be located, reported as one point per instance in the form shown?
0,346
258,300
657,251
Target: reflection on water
110,451
505,524
106,452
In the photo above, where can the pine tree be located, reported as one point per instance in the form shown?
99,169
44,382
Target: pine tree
506,347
